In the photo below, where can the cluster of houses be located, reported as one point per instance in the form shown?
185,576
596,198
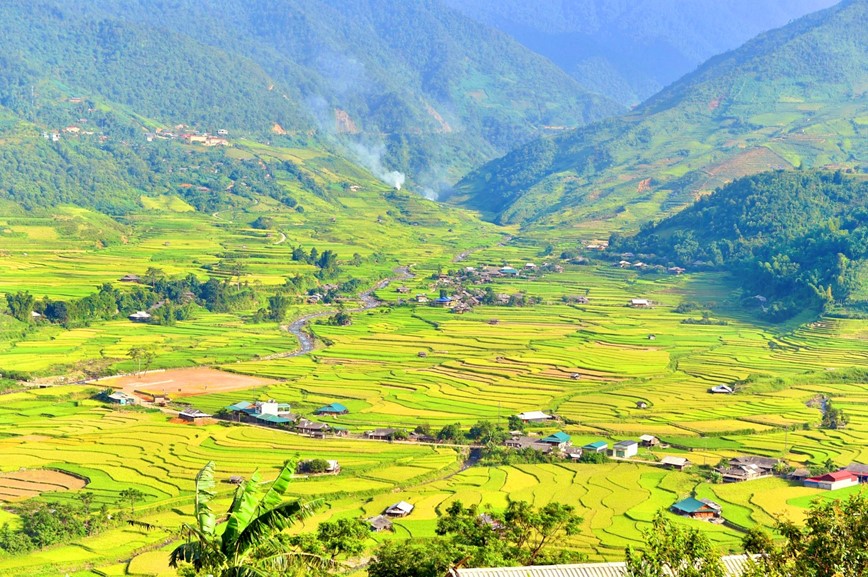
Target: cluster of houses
463,299
561,443
383,522
274,414
190,136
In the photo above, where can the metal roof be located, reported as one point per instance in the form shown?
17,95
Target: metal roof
557,438
596,445
733,565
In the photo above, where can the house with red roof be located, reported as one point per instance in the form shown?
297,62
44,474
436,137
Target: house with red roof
832,481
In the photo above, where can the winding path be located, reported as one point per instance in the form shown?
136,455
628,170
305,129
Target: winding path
307,342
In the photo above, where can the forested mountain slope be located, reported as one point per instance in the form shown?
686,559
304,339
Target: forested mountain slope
794,238
630,49
417,87
793,97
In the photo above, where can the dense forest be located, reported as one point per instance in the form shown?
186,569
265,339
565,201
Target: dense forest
795,240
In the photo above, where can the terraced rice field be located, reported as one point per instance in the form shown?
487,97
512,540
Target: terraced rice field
471,369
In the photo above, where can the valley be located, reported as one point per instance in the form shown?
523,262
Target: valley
391,259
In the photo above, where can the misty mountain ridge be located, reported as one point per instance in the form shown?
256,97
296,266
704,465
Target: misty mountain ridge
792,97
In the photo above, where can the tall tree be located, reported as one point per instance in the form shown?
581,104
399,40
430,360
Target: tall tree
20,305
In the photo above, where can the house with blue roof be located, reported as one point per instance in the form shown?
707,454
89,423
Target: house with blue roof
596,447
263,412
559,440
697,508
332,409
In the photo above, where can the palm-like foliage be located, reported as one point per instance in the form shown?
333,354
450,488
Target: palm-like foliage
248,546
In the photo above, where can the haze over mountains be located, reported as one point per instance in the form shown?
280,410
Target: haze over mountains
630,49
419,88
794,97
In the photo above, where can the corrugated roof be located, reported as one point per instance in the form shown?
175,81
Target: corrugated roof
239,406
596,445
272,419
557,438
733,564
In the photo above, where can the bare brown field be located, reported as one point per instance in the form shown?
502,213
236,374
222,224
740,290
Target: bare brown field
185,382
28,483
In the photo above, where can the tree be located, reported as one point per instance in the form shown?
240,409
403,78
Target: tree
153,275
450,432
344,536
141,355
673,551
414,558
250,544
533,529
132,495
20,305
487,432
833,541
278,305
515,423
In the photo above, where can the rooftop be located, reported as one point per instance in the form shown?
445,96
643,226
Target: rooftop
557,438
733,565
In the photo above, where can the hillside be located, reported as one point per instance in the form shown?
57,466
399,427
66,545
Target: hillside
793,97
413,87
630,50
796,239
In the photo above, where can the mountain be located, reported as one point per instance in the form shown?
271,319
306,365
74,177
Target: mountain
798,239
792,97
630,49
412,86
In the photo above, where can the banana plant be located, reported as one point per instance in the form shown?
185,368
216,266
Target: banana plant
248,545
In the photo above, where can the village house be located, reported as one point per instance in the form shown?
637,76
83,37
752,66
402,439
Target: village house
194,416
625,449
697,508
332,409
443,301
402,290
641,405
508,271
860,470
140,317
721,390
380,523
799,474
747,468
649,441
130,278
640,303
596,447
270,412
557,440
524,442
832,481
421,299
381,434
120,398
311,428
677,463
399,509
332,467
534,417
